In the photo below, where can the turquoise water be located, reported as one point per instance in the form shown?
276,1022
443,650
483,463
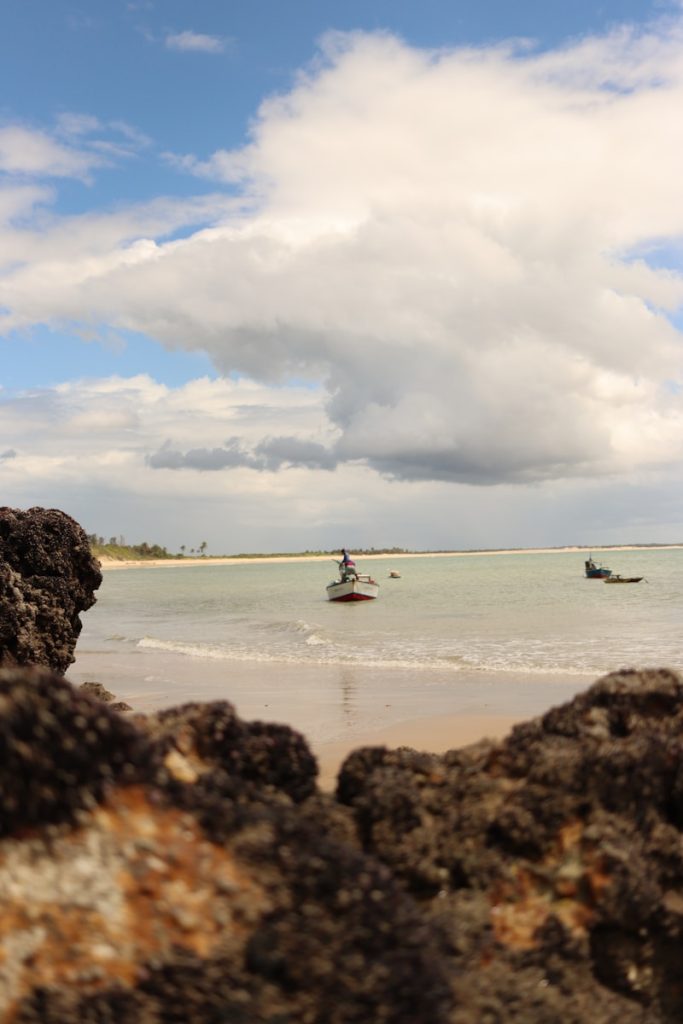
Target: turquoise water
504,613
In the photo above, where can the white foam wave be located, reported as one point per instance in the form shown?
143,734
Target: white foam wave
316,641
318,651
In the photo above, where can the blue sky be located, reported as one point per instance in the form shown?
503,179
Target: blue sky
251,255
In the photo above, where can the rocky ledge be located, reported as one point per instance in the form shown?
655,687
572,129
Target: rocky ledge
47,578
145,880
185,867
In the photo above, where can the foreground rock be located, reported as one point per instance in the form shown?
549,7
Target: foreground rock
183,867
554,859
201,740
47,578
129,895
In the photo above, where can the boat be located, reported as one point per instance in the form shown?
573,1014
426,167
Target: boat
351,585
393,575
354,588
623,579
596,572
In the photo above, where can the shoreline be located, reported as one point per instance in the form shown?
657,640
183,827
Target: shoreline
173,563
330,706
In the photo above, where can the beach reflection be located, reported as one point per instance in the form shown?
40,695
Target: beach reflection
349,697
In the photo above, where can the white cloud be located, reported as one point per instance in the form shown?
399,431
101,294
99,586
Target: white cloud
18,202
79,146
195,42
25,151
92,463
77,124
443,240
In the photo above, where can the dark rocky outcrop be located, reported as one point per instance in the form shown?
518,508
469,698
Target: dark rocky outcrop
554,859
100,692
47,578
131,896
201,739
182,867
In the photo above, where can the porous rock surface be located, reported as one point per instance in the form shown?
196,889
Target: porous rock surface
47,578
184,868
130,895
554,859
198,740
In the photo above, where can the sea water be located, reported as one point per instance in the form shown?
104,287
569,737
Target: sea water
509,633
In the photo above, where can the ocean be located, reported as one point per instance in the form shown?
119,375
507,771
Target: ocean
508,634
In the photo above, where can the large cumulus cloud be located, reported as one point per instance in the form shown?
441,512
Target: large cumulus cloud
457,245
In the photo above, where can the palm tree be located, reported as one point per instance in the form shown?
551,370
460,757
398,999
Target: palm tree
202,548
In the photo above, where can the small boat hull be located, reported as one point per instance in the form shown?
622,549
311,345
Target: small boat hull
595,571
624,579
352,590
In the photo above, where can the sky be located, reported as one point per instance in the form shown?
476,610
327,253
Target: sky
296,276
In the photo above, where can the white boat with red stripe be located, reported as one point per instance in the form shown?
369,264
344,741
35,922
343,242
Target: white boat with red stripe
359,588
351,585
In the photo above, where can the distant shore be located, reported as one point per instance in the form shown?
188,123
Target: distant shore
176,563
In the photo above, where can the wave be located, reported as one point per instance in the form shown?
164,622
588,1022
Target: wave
319,651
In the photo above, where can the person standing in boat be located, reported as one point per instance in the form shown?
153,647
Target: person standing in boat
347,566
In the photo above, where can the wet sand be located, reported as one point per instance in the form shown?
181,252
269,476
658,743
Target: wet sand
338,708
435,735
333,707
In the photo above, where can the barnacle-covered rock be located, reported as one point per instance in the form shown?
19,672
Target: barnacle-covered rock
132,896
198,739
60,749
47,578
554,859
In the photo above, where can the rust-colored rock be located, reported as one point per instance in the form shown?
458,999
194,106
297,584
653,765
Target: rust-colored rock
47,578
133,897
183,868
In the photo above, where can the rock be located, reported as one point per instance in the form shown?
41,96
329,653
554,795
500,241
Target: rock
198,739
130,896
183,867
98,691
554,859
47,578
60,750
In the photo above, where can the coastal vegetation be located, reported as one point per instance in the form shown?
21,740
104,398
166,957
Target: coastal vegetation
118,549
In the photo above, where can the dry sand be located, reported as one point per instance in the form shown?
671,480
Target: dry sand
176,563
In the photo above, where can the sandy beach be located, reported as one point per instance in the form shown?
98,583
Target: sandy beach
435,735
331,707
328,706
176,563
